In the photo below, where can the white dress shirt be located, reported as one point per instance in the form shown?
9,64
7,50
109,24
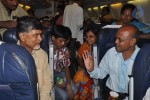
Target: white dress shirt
73,18
147,95
110,64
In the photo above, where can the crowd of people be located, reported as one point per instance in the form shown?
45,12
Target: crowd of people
73,40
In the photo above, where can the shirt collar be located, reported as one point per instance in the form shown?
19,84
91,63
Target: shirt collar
3,6
135,53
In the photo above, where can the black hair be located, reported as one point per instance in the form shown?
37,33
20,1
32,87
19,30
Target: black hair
62,7
27,24
128,6
106,9
60,31
30,12
91,27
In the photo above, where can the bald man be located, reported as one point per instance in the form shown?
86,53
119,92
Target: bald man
117,62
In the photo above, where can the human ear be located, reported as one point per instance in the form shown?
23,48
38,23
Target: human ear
133,42
22,36
53,38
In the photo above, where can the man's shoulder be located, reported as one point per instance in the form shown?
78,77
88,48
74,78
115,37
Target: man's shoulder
20,12
74,5
1,6
0,3
68,6
40,52
111,51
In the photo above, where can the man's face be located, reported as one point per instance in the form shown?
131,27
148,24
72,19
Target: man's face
126,16
123,40
10,4
31,40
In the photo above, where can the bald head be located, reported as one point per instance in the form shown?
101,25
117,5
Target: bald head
130,30
126,39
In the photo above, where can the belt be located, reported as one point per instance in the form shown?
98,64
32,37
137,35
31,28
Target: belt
121,95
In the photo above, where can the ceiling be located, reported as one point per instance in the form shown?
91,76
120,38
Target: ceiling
35,4
93,3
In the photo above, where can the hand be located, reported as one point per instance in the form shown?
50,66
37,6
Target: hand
61,85
10,24
67,54
70,91
88,61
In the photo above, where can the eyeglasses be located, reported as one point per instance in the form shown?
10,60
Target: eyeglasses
122,40
89,36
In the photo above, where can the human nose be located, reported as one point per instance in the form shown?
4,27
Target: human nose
15,2
39,38
63,43
87,39
116,41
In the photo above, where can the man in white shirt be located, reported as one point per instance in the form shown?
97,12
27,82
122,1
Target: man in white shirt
9,12
117,62
73,18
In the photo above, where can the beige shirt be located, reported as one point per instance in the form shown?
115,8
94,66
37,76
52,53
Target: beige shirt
19,12
43,74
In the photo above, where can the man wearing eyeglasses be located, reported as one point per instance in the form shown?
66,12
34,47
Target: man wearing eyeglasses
117,62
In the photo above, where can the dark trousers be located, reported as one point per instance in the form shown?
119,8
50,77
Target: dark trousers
106,92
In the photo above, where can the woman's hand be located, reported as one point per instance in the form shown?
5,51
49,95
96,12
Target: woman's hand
88,61
70,91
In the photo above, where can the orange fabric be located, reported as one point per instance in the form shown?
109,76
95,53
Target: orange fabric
78,77
83,47
85,86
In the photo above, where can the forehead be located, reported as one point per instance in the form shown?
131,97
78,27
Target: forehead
36,31
127,11
125,32
89,33
61,39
